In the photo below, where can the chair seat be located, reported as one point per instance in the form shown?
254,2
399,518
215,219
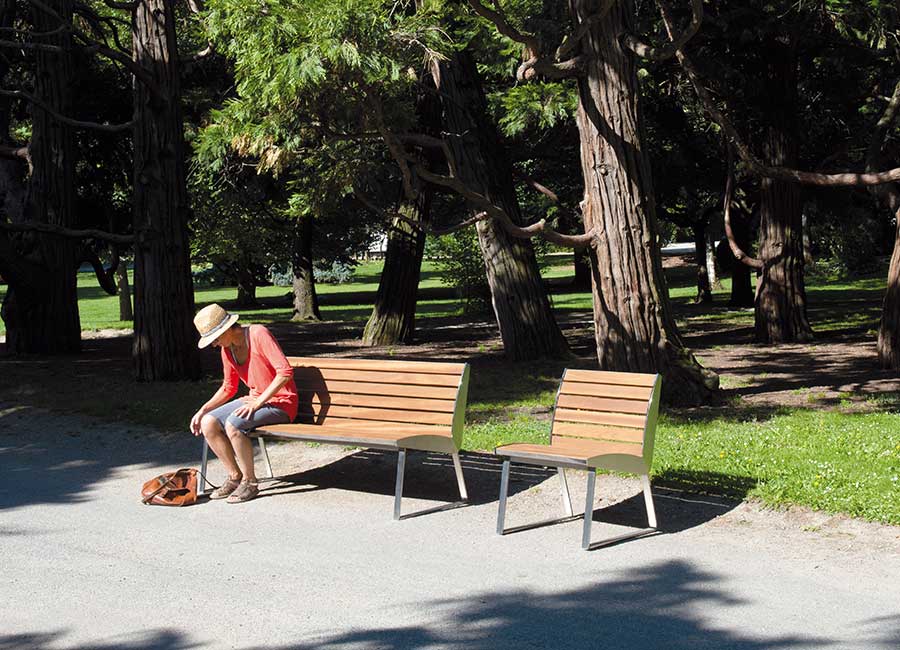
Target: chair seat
587,453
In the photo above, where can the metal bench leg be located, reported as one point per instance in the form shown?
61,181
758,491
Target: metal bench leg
588,510
204,458
564,488
648,501
504,488
398,492
264,452
460,479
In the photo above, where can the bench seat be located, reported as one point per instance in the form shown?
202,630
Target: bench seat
581,454
379,404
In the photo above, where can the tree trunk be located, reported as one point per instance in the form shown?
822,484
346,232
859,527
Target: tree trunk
306,302
634,329
42,315
704,288
124,291
165,342
781,295
246,287
889,329
394,315
524,316
582,262
742,294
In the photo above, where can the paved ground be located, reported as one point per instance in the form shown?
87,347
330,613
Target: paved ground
318,562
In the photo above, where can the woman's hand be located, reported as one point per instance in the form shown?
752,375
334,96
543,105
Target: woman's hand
195,422
247,410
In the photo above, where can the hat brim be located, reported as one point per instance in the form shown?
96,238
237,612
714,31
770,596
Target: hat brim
213,334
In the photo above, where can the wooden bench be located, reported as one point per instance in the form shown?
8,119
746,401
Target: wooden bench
390,405
601,420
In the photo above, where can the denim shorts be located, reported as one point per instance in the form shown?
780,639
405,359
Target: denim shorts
266,414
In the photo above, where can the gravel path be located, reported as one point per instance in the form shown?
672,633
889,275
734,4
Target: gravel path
318,562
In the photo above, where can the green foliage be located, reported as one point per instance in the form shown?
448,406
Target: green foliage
535,106
459,260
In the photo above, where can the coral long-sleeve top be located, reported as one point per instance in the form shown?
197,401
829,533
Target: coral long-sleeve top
265,360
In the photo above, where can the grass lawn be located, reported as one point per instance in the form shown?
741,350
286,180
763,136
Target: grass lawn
827,458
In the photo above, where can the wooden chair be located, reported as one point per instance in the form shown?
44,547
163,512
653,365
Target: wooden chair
601,420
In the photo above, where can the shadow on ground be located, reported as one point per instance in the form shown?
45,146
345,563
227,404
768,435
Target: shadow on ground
665,605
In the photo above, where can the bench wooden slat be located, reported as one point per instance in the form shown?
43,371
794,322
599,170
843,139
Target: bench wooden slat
386,415
614,420
382,402
581,450
338,424
315,376
426,367
609,377
577,424
606,390
604,404
368,388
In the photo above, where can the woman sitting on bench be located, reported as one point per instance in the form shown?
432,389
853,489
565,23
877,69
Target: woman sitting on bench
252,355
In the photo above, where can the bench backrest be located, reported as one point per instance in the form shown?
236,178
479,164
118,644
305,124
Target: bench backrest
608,406
394,393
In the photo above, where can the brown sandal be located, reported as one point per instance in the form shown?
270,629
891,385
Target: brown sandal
228,486
246,492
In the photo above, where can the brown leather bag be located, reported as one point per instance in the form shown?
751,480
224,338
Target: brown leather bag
178,488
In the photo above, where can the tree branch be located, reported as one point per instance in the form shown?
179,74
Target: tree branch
389,217
551,69
531,43
668,50
91,233
43,47
570,41
739,254
754,164
81,124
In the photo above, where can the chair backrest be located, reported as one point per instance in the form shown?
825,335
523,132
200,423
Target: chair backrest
608,406
394,393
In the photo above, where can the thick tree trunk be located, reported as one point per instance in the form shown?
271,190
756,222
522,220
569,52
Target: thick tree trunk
701,259
582,261
124,291
889,329
42,315
634,329
781,295
306,302
165,342
394,315
742,294
246,288
527,325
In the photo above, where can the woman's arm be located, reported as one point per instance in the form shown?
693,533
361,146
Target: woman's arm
249,408
226,392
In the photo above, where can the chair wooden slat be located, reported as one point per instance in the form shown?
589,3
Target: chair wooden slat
617,420
606,390
369,388
576,424
380,365
608,377
604,404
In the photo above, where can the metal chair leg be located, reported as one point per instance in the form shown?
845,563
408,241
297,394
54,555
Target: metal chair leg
204,458
264,452
564,488
504,489
588,510
648,501
398,492
460,479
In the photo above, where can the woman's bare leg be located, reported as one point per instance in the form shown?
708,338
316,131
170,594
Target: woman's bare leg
243,451
219,443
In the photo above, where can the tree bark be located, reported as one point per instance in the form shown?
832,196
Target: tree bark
889,329
124,291
701,259
246,286
394,314
306,302
165,342
582,262
41,315
742,294
633,325
524,316
781,295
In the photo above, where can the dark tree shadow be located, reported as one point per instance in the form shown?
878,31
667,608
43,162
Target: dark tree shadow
158,640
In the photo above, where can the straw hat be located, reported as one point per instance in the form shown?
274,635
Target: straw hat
212,321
